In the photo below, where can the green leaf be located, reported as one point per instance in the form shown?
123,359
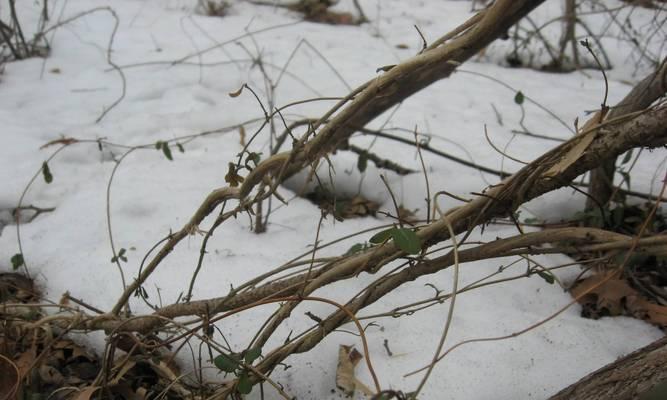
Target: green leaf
628,157
339,209
119,256
362,162
519,97
407,240
244,386
254,157
158,144
46,172
356,248
167,151
626,177
252,354
381,236
17,260
180,147
547,276
227,363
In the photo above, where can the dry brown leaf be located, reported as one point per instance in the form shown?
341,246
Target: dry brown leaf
125,391
50,375
170,373
610,296
359,207
345,371
654,313
617,297
587,134
86,393
128,365
25,361
65,141
242,135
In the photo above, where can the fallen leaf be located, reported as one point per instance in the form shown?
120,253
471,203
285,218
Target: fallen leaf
616,297
50,375
347,360
603,300
86,393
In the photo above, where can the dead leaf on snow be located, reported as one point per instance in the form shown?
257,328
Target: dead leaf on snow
616,297
348,358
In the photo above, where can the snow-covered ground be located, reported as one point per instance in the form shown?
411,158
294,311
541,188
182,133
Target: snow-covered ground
68,249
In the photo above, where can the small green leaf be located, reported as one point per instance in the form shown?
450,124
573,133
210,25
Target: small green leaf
547,276
167,151
180,147
626,177
227,363
381,236
244,386
339,209
158,144
407,240
628,157
357,247
519,97
17,260
46,172
362,162
119,256
254,157
252,354
385,68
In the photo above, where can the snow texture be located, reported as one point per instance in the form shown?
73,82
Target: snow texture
69,250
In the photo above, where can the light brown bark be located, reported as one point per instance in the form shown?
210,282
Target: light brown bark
641,96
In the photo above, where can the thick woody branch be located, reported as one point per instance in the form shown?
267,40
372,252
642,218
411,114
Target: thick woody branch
367,102
651,88
646,129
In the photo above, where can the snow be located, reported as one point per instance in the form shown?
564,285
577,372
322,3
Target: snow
69,250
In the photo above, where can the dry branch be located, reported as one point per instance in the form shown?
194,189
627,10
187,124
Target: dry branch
367,101
648,90
612,138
